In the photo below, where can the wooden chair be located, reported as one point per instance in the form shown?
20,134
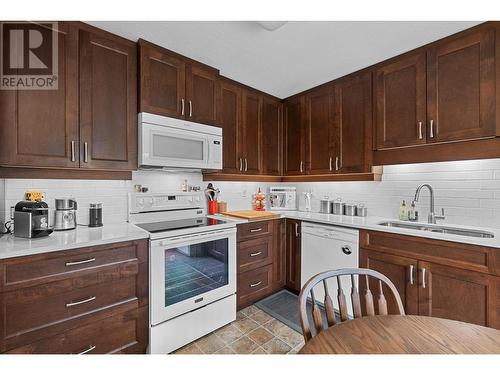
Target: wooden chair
341,298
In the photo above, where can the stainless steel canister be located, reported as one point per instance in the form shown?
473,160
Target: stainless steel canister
350,209
337,207
362,210
324,206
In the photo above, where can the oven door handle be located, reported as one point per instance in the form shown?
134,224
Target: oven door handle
195,238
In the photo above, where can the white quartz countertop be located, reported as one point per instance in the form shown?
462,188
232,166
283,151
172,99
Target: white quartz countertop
82,236
371,223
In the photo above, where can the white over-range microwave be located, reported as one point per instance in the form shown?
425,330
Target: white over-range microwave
169,143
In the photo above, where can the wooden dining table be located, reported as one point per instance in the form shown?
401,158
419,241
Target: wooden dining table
404,334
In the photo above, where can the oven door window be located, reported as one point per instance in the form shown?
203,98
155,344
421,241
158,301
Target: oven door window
196,269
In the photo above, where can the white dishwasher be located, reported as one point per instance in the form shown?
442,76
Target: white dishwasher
324,248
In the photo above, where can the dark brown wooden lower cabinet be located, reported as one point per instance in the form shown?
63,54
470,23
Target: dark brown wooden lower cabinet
293,254
398,270
261,270
437,278
457,294
88,300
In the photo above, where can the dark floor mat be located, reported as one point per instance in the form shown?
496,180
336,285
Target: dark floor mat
283,306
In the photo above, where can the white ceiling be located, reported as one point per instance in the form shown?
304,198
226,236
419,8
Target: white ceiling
293,58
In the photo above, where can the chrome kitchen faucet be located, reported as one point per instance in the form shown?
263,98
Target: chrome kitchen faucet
431,219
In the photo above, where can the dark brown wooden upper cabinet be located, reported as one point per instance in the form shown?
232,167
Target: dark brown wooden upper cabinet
271,136
108,101
201,94
320,136
229,118
251,137
294,131
353,124
400,102
175,86
39,128
461,88
162,82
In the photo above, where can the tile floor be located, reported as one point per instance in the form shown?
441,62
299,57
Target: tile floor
253,332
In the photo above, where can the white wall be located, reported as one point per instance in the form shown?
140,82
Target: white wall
111,193
468,190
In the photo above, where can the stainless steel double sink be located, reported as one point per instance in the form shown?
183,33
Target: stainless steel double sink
439,229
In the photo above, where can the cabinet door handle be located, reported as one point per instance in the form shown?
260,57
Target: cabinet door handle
241,164
87,300
411,274
246,164
190,108
330,164
424,271
296,229
337,163
91,348
255,230
90,260
420,135
255,254
73,151
301,166
256,284
85,152
183,106
431,129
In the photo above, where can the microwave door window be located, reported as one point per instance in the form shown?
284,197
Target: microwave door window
172,147
196,269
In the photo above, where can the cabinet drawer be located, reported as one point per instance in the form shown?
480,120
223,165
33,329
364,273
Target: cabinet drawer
254,285
34,270
125,332
255,253
29,309
466,256
254,230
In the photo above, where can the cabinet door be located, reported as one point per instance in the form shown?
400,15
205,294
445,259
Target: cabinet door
460,88
294,148
229,118
279,260
400,109
401,271
251,141
108,102
353,121
271,137
39,128
201,94
293,253
162,82
452,293
320,131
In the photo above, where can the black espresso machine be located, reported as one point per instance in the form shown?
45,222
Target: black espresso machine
31,219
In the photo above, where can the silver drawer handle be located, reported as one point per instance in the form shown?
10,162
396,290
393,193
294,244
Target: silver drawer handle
255,254
183,105
420,135
246,164
80,262
330,164
190,108
431,130
91,347
70,304
255,230
337,163
411,274
85,152
241,164
424,271
256,284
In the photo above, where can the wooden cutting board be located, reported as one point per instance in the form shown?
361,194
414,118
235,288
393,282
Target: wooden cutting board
251,215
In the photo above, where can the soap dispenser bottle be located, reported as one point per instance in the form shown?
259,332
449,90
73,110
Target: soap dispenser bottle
403,211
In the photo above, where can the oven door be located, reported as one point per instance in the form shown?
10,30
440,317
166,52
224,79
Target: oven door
163,146
191,271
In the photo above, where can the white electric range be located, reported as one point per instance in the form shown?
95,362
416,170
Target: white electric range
192,267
